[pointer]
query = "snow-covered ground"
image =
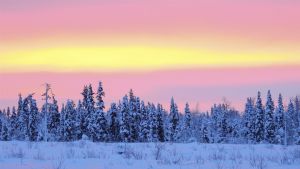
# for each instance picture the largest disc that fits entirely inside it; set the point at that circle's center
(88, 155)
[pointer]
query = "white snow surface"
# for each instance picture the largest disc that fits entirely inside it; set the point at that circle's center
(88, 155)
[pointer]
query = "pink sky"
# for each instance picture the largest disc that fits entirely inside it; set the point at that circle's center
(248, 28)
(205, 86)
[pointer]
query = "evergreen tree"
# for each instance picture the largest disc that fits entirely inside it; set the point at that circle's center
(80, 119)
(259, 123)
(174, 122)
(62, 126)
(14, 124)
(98, 123)
(22, 118)
(32, 119)
(297, 112)
(124, 124)
(144, 124)
(4, 134)
(153, 124)
(85, 103)
(90, 107)
(114, 126)
(290, 124)
(270, 131)
(133, 117)
(53, 120)
(220, 123)
(249, 121)
(279, 121)
(187, 133)
(160, 123)
(70, 133)
(204, 131)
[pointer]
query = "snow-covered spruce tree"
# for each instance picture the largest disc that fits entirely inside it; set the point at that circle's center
(174, 122)
(80, 117)
(33, 119)
(137, 118)
(98, 123)
(4, 134)
(144, 124)
(153, 125)
(90, 107)
(297, 117)
(270, 131)
(1, 122)
(70, 121)
(114, 126)
(5, 125)
(297, 112)
(234, 126)
(290, 124)
(204, 130)
(248, 130)
(14, 124)
(124, 121)
(62, 126)
(19, 135)
(24, 120)
(160, 123)
(84, 94)
(220, 113)
(259, 123)
(187, 126)
(279, 121)
(53, 120)
(133, 128)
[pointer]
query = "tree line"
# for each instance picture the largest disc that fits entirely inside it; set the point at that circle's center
(133, 120)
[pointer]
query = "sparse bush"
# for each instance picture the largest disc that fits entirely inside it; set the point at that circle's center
(159, 147)
(59, 163)
(257, 162)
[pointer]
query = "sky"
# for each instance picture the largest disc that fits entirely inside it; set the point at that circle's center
(198, 51)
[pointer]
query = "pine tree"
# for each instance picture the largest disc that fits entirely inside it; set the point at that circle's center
(290, 124)
(249, 121)
(33, 119)
(297, 112)
(90, 107)
(187, 133)
(133, 117)
(270, 131)
(4, 134)
(14, 124)
(160, 123)
(53, 120)
(174, 122)
(80, 117)
(220, 123)
(124, 124)
(62, 126)
(114, 126)
(144, 124)
(204, 132)
(259, 123)
(23, 118)
(153, 124)
(70, 133)
(85, 103)
(279, 121)
(97, 122)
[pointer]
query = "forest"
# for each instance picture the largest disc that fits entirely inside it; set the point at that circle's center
(133, 120)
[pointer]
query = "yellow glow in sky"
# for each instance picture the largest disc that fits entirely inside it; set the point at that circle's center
(134, 58)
